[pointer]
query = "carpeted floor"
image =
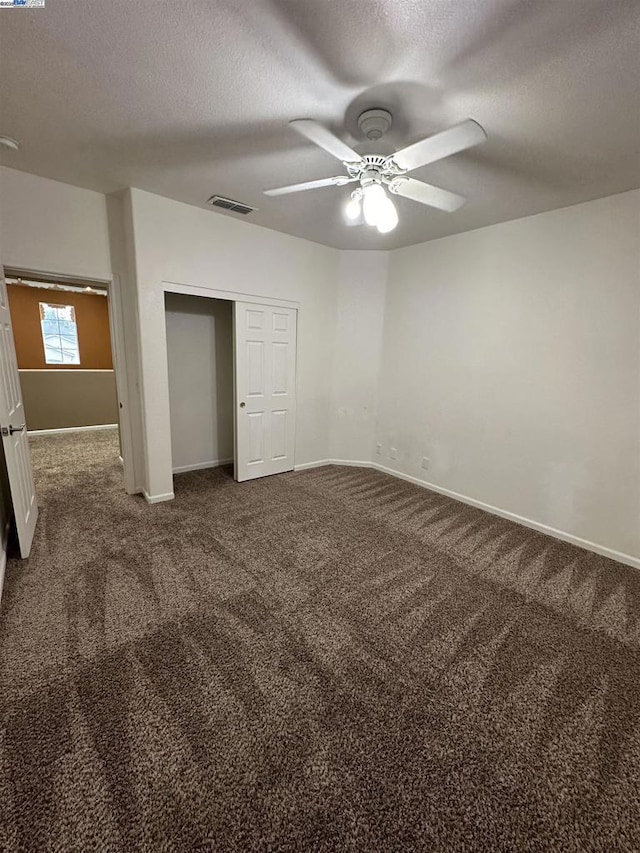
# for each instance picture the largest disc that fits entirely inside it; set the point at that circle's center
(326, 661)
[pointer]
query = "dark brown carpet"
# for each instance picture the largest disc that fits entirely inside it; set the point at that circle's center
(326, 661)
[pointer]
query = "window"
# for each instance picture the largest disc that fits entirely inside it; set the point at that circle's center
(59, 334)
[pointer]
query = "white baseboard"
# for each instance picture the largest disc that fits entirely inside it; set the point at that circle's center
(71, 429)
(627, 559)
(350, 463)
(4, 540)
(304, 466)
(200, 466)
(618, 556)
(156, 499)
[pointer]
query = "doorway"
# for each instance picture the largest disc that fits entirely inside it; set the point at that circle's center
(64, 353)
(231, 368)
(64, 359)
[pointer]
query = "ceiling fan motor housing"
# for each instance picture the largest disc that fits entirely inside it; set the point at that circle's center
(374, 169)
(371, 175)
(375, 123)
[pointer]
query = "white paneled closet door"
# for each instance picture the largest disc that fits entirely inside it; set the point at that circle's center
(14, 432)
(265, 389)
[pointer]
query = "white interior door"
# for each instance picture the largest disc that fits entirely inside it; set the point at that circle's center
(14, 432)
(265, 389)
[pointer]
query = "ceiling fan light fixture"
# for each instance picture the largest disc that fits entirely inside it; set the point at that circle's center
(352, 209)
(387, 217)
(374, 198)
(378, 209)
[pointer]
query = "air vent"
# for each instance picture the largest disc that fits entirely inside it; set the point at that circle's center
(230, 204)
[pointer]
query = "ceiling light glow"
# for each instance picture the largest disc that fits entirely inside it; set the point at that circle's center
(373, 202)
(378, 209)
(352, 208)
(387, 217)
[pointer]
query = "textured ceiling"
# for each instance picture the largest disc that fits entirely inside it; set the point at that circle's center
(186, 98)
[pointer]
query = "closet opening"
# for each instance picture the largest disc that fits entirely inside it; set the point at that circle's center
(200, 365)
(231, 373)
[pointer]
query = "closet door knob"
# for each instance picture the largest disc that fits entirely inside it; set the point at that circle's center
(242, 405)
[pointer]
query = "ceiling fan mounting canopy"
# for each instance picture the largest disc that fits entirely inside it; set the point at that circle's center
(375, 123)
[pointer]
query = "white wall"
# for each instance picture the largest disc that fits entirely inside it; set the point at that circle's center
(179, 243)
(512, 360)
(52, 227)
(200, 363)
(362, 278)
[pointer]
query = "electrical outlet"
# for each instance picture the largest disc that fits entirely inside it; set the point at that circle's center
(393, 453)
(426, 462)
(378, 450)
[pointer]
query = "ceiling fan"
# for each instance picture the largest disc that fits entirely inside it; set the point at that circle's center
(374, 172)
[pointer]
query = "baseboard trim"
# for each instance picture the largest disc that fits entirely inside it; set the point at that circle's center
(71, 429)
(156, 499)
(200, 466)
(305, 466)
(349, 463)
(618, 556)
(602, 550)
(4, 541)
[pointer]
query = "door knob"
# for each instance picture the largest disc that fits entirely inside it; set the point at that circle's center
(242, 404)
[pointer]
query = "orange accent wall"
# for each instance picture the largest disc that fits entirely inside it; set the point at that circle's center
(92, 319)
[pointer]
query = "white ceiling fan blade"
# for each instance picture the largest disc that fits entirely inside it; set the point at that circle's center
(427, 194)
(338, 181)
(325, 139)
(464, 135)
